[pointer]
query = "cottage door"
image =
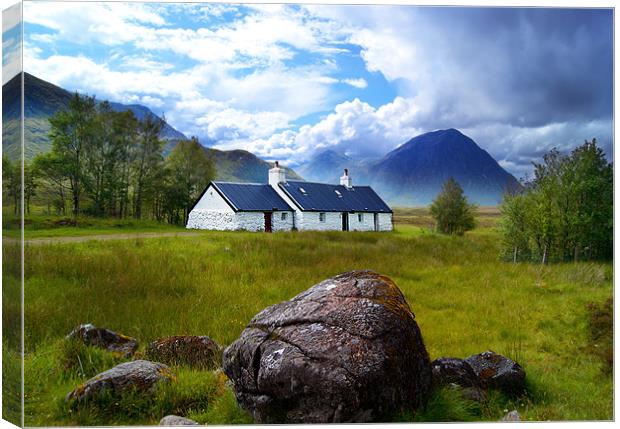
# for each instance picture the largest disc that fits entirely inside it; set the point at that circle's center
(376, 221)
(345, 221)
(268, 221)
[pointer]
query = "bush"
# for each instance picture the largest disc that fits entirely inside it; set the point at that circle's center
(451, 211)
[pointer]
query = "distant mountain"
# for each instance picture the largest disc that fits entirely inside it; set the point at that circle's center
(326, 166)
(413, 173)
(42, 100)
(243, 166)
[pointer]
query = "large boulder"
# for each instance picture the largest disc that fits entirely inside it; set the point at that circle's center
(140, 375)
(195, 351)
(346, 350)
(106, 339)
(498, 372)
(173, 420)
(449, 371)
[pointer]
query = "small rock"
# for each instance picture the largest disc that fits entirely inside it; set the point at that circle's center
(498, 372)
(173, 420)
(104, 338)
(448, 371)
(346, 350)
(139, 374)
(512, 416)
(195, 351)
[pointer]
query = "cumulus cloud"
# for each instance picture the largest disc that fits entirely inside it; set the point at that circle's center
(518, 81)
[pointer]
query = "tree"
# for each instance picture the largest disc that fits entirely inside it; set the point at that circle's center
(567, 207)
(54, 179)
(72, 134)
(452, 211)
(12, 181)
(191, 171)
(515, 225)
(148, 163)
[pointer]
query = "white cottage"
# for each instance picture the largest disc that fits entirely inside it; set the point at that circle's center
(285, 205)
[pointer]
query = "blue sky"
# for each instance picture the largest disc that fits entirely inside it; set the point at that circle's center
(288, 81)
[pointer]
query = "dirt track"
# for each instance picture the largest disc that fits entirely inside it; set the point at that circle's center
(122, 236)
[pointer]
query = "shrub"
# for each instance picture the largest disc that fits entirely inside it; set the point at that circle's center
(451, 211)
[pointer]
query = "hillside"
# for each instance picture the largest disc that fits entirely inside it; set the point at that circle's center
(42, 100)
(243, 166)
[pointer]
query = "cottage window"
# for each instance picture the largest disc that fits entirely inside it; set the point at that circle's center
(360, 217)
(284, 215)
(321, 217)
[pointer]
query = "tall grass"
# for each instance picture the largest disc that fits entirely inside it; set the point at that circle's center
(465, 300)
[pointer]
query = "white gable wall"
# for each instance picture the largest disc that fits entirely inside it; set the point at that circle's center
(212, 200)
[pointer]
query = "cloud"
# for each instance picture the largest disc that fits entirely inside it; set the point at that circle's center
(518, 81)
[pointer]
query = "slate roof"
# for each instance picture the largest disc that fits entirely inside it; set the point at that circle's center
(323, 197)
(250, 196)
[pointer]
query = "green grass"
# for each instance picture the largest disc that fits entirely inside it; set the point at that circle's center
(465, 300)
(43, 226)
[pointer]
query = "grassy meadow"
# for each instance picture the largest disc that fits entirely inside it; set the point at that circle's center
(466, 300)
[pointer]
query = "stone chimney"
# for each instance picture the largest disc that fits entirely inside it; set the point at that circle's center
(277, 175)
(345, 180)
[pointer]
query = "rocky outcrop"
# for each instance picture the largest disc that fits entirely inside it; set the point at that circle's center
(498, 372)
(448, 371)
(140, 375)
(173, 420)
(104, 338)
(346, 350)
(512, 416)
(195, 351)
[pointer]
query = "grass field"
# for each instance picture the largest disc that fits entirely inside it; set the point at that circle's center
(465, 300)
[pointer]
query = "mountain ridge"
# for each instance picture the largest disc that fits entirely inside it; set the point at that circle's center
(43, 99)
(414, 172)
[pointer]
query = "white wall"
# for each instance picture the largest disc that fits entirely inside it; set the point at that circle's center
(231, 221)
(212, 200)
(367, 223)
(385, 222)
(277, 224)
(310, 221)
(212, 219)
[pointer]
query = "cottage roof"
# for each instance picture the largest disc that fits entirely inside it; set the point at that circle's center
(251, 196)
(324, 197)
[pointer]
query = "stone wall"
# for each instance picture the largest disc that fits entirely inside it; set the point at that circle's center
(310, 221)
(385, 222)
(248, 221)
(212, 219)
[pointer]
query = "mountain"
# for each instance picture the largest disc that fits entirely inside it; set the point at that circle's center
(413, 173)
(327, 166)
(42, 100)
(243, 166)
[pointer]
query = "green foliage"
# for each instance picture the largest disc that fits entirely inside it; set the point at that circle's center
(451, 211)
(79, 360)
(190, 170)
(447, 405)
(565, 212)
(465, 301)
(11, 384)
(11, 181)
(106, 163)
